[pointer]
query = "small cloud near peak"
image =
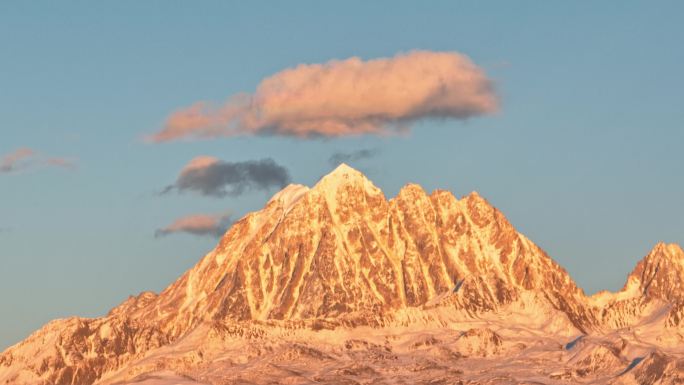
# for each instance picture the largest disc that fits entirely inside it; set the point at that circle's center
(199, 224)
(211, 176)
(352, 156)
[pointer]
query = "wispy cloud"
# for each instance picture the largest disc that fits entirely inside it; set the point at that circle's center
(16, 160)
(211, 176)
(344, 97)
(61, 162)
(346, 157)
(201, 225)
(25, 158)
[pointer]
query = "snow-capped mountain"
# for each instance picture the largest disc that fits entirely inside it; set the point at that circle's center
(337, 284)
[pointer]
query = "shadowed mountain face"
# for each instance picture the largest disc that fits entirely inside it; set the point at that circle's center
(340, 257)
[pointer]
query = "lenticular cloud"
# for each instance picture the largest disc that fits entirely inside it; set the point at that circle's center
(343, 98)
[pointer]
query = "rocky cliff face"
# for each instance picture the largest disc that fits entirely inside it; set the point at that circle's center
(661, 273)
(340, 255)
(341, 250)
(654, 286)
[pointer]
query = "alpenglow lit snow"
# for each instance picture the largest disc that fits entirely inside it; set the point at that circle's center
(337, 284)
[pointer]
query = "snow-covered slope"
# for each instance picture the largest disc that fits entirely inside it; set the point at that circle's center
(337, 284)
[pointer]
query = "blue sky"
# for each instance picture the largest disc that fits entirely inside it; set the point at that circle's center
(584, 155)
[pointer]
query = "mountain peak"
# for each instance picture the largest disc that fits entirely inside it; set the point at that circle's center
(344, 171)
(662, 252)
(340, 255)
(344, 175)
(344, 168)
(671, 250)
(475, 196)
(411, 189)
(660, 272)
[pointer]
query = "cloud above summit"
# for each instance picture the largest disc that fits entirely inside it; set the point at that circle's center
(346, 157)
(344, 98)
(211, 176)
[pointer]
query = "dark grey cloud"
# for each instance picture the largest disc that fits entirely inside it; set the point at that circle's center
(200, 225)
(210, 176)
(346, 157)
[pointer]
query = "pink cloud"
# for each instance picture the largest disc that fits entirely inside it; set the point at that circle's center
(61, 162)
(16, 160)
(201, 224)
(344, 97)
(25, 158)
(199, 163)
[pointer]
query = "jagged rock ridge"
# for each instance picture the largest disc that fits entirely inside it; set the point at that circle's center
(340, 255)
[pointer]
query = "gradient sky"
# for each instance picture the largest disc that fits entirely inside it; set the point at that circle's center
(584, 156)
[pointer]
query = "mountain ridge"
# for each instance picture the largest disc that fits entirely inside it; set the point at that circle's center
(340, 255)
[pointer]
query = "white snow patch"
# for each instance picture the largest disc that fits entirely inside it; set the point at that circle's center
(290, 195)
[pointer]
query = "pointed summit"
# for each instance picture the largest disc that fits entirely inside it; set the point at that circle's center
(660, 272)
(342, 176)
(344, 168)
(344, 171)
(665, 253)
(671, 250)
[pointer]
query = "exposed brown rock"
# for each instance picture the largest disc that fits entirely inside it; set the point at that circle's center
(342, 255)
